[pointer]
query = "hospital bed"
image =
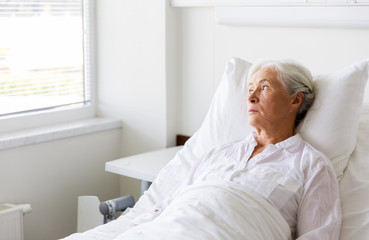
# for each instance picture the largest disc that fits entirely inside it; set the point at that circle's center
(337, 124)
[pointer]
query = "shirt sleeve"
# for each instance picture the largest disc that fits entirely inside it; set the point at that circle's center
(319, 215)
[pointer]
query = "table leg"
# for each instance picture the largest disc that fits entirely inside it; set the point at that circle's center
(144, 186)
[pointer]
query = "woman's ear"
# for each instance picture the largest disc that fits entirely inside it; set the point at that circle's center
(297, 100)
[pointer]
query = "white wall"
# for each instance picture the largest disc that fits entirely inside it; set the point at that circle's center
(197, 66)
(50, 176)
(131, 61)
(135, 83)
(206, 47)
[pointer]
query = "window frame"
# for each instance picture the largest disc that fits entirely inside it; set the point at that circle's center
(36, 119)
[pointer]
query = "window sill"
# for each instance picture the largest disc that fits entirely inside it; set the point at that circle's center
(55, 132)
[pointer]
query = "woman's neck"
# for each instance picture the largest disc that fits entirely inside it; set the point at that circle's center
(264, 140)
(265, 137)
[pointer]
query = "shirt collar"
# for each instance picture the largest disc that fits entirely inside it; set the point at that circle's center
(291, 141)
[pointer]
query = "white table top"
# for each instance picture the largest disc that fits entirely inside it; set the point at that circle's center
(144, 166)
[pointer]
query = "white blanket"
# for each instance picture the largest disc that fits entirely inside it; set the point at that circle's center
(216, 211)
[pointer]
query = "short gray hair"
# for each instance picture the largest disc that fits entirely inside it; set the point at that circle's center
(294, 77)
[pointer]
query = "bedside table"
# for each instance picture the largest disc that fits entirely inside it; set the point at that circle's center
(144, 166)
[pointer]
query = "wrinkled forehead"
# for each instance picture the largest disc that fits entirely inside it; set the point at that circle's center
(264, 74)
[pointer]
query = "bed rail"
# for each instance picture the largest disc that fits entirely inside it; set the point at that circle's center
(110, 207)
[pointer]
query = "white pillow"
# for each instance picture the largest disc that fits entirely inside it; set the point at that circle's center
(332, 122)
(226, 119)
(330, 125)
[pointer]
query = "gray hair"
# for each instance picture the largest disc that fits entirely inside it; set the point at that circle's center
(294, 77)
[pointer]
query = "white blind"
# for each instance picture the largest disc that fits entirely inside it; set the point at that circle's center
(42, 55)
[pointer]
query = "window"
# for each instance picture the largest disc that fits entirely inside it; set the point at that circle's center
(44, 56)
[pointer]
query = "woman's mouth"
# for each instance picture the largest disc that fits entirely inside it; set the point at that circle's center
(253, 111)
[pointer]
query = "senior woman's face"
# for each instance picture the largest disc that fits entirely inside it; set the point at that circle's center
(268, 104)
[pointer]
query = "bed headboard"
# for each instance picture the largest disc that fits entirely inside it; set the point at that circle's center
(181, 139)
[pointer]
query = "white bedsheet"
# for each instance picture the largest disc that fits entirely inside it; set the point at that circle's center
(353, 187)
(210, 210)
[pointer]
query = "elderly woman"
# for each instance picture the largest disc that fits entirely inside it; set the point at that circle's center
(274, 161)
(272, 172)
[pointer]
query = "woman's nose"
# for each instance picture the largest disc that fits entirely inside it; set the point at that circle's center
(253, 97)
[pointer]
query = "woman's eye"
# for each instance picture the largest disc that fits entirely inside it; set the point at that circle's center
(265, 87)
(251, 90)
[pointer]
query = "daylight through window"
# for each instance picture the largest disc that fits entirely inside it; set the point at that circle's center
(42, 55)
